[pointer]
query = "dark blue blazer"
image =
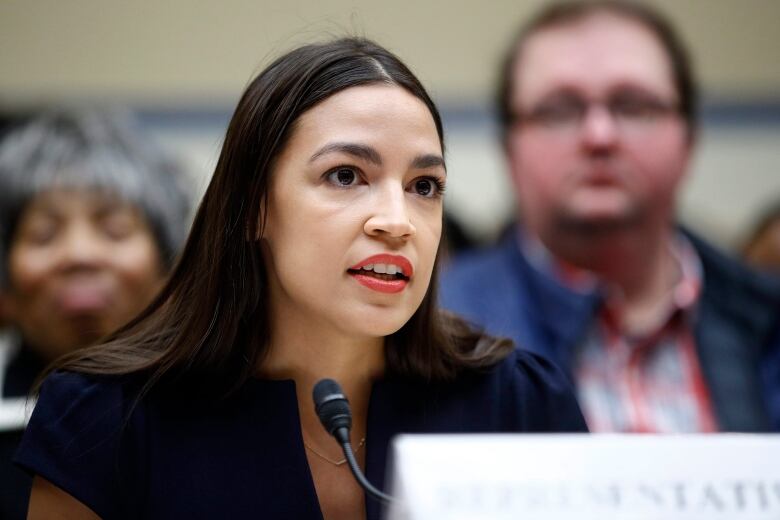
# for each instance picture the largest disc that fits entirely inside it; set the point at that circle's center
(737, 323)
(243, 457)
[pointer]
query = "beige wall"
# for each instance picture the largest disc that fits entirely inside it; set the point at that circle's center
(200, 54)
(184, 50)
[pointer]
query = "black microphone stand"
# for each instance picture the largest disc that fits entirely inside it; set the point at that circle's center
(332, 408)
(342, 435)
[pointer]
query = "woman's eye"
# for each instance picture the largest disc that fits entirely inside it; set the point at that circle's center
(423, 187)
(117, 228)
(343, 177)
(428, 187)
(42, 236)
(40, 233)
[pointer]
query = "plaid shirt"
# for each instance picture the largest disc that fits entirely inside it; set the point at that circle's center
(651, 383)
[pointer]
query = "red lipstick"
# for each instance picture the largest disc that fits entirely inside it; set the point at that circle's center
(381, 282)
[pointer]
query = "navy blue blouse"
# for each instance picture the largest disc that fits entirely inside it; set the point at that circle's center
(244, 457)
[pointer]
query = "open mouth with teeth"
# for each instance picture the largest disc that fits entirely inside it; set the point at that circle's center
(387, 272)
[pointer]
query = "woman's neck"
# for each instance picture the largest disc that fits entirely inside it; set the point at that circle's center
(305, 356)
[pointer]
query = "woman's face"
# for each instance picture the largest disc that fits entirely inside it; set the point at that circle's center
(355, 212)
(81, 264)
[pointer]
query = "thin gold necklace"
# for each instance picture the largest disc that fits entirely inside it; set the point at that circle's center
(327, 459)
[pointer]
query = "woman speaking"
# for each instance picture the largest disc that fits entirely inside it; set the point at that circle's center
(312, 255)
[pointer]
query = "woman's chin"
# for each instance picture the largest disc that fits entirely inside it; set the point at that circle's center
(376, 328)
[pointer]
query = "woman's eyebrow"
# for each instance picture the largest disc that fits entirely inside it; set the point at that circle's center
(422, 162)
(369, 154)
(360, 151)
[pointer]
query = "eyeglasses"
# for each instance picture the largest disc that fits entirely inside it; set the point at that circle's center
(565, 113)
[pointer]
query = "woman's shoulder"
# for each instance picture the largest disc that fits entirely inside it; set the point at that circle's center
(80, 383)
(529, 368)
(520, 392)
(534, 393)
(66, 393)
(82, 430)
(81, 410)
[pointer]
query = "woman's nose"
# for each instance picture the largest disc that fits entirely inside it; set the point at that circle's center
(82, 247)
(389, 217)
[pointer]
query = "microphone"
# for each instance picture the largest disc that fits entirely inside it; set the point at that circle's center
(332, 408)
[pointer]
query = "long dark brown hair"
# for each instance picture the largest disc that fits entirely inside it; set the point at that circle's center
(208, 329)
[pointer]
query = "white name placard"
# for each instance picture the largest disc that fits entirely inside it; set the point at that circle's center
(586, 477)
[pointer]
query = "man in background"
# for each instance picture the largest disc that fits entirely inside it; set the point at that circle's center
(658, 331)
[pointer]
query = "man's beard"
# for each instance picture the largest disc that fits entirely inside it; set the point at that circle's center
(591, 243)
(566, 223)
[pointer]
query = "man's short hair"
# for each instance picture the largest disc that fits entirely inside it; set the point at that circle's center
(566, 12)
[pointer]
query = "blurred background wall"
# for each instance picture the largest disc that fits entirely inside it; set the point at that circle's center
(182, 65)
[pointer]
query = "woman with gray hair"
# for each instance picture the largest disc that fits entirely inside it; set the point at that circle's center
(92, 216)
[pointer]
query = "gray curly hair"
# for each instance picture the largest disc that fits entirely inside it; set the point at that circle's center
(96, 150)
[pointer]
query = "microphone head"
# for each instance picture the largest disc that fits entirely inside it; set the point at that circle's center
(331, 406)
